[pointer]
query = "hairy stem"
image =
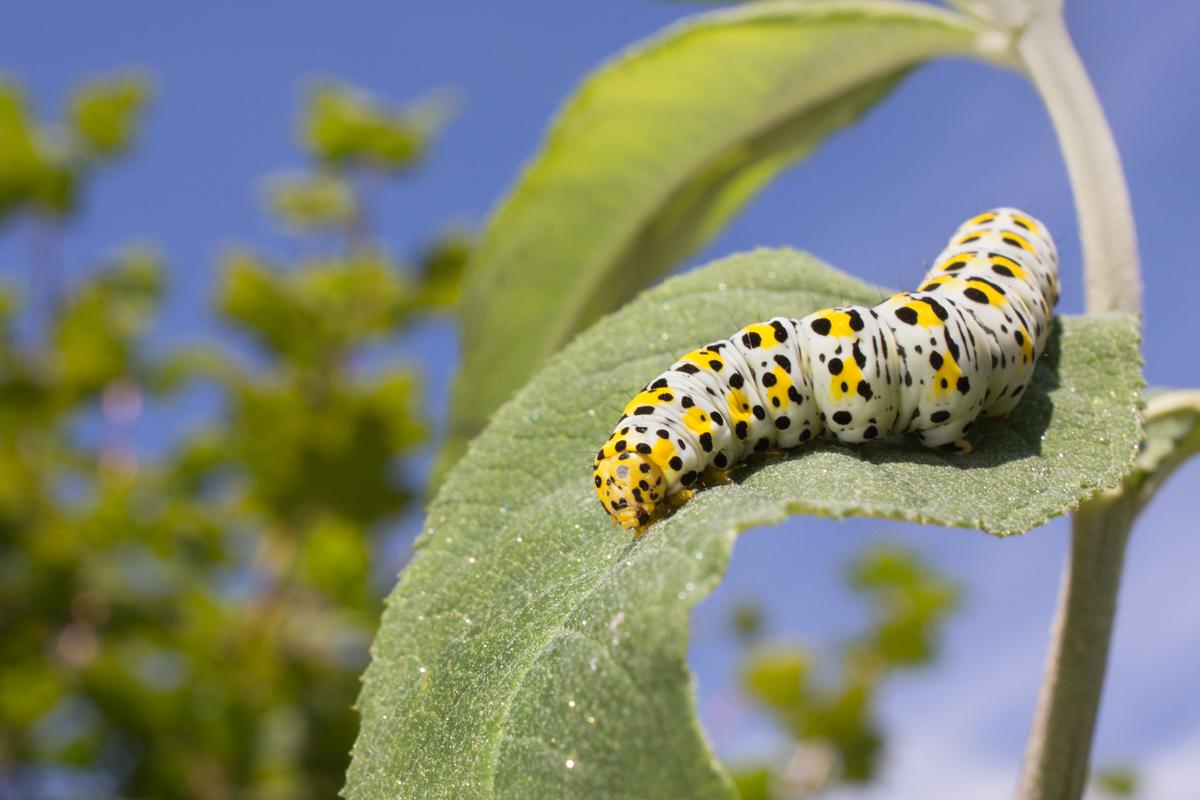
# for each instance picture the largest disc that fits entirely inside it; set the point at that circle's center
(1058, 753)
(1111, 277)
(1056, 759)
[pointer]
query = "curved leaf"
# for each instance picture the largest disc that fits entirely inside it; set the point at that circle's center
(1172, 421)
(532, 650)
(654, 153)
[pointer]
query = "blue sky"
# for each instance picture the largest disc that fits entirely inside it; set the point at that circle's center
(877, 201)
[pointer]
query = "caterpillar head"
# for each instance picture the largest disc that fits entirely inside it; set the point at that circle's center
(630, 487)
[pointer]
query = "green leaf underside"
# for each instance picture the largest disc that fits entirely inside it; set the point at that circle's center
(523, 598)
(654, 153)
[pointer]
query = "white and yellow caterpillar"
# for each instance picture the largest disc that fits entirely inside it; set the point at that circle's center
(926, 362)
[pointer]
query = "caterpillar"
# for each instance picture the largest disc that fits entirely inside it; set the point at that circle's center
(927, 362)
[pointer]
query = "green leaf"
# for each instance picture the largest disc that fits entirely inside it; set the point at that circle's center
(105, 115)
(56, 190)
(1172, 420)
(343, 124)
(335, 558)
(754, 784)
(19, 162)
(654, 153)
(312, 314)
(1116, 781)
(321, 201)
(335, 452)
(777, 676)
(527, 632)
(911, 600)
(104, 317)
(442, 265)
(33, 168)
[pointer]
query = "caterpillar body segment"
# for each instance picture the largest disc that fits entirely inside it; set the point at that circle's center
(945, 363)
(772, 387)
(928, 362)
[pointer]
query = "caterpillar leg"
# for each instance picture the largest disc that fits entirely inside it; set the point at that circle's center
(662, 511)
(710, 477)
(715, 477)
(764, 455)
(679, 498)
(960, 447)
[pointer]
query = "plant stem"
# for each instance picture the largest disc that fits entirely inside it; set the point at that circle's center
(1057, 755)
(1110, 260)
(1056, 759)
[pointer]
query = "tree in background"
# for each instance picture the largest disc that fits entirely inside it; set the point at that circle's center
(194, 625)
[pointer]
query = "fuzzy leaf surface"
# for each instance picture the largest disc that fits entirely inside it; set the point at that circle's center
(531, 650)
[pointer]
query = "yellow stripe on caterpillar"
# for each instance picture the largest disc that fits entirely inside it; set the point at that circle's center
(927, 362)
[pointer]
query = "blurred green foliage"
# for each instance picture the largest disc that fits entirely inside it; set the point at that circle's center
(1116, 781)
(40, 166)
(194, 625)
(105, 115)
(828, 709)
(342, 126)
(320, 201)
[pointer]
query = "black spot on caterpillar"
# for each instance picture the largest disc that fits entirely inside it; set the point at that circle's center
(966, 345)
